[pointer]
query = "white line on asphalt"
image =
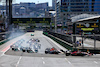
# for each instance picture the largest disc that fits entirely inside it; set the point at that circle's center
(69, 62)
(2, 54)
(42, 58)
(95, 62)
(18, 61)
(43, 62)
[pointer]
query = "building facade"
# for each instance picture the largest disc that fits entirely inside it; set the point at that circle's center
(69, 8)
(26, 9)
(53, 4)
(51, 14)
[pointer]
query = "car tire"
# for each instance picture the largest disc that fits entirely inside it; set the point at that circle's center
(12, 48)
(46, 52)
(56, 53)
(27, 51)
(67, 54)
(23, 50)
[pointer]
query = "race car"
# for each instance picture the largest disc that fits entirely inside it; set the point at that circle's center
(29, 41)
(36, 50)
(33, 40)
(51, 51)
(78, 53)
(12, 46)
(68, 53)
(32, 34)
(24, 49)
(37, 40)
(15, 48)
(29, 50)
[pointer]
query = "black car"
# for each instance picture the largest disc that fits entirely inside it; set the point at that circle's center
(51, 51)
(27, 49)
(37, 40)
(47, 50)
(15, 48)
(24, 49)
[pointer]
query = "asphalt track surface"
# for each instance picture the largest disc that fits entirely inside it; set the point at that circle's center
(9, 58)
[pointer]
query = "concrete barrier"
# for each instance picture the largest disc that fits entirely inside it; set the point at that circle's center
(68, 46)
(61, 42)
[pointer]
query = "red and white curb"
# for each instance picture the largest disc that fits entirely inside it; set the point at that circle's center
(6, 49)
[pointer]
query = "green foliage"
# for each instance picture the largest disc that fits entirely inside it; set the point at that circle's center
(0, 16)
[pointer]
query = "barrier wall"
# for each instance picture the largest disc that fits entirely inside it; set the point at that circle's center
(64, 44)
(69, 46)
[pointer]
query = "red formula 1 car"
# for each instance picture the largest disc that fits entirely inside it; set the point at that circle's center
(51, 51)
(79, 53)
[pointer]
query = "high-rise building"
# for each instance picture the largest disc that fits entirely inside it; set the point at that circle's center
(68, 8)
(94, 6)
(53, 4)
(42, 6)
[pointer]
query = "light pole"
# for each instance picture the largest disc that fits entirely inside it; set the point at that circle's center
(6, 23)
(10, 11)
(55, 17)
(7, 8)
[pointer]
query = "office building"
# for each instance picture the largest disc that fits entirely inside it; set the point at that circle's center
(25, 9)
(53, 4)
(69, 8)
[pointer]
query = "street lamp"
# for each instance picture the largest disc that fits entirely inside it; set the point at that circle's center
(55, 17)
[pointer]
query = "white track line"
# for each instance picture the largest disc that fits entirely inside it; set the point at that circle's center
(69, 62)
(95, 62)
(43, 62)
(4, 52)
(18, 62)
(42, 58)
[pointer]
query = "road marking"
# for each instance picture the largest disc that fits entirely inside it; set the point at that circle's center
(7, 48)
(95, 62)
(43, 62)
(2, 54)
(42, 58)
(4, 50)
(18, 61)
(69, 62)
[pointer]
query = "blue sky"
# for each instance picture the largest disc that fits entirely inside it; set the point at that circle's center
(35, 1)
